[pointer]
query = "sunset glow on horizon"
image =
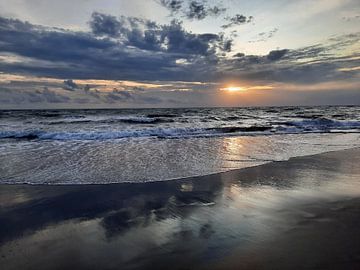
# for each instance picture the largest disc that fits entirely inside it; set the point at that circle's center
(234, 89)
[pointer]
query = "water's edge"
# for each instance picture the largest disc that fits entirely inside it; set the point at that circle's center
(180, 179)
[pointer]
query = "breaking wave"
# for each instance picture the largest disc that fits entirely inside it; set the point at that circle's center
(108, 135)
(324, 124)
(304, 126)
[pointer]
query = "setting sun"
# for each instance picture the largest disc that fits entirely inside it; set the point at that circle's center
(234, 89)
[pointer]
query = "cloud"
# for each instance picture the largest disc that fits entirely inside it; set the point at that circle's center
(264, 36)
(239, 55)
(122, 93)
(311, 64)
(276, 54)
(192, 10)
(196, 11)
(122, 96)
(236, 20)
(351, 18)
(70, 85)
(141, 50)
(148, 35)
(38, 96)
(84, 55)
(216, 11)
(87, 88)
(172, 5)
(111, 98)
(102, 24)
(53, 97)
(135, 49)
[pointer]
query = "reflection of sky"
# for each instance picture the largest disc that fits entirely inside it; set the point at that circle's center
(103, 225)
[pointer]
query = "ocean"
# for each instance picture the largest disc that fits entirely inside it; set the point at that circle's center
(139, 145)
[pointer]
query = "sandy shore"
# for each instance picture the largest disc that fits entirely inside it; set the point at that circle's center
(299, 214)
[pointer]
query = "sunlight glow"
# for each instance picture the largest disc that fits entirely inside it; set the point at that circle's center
(234, 89)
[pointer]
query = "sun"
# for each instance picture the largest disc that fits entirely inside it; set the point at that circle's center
(233, 89)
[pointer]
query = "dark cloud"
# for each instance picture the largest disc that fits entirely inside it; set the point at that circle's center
(313, 51)
(102, 24)
(216, 11)
(87, 88)
(227, 45)
(122, 93)
(63, 54)
(38, 96)
(173, 5)
(138, 49)
(132, 49)
(192, 10)
(122, 96)
(94, 93)
(196, 11)
(239, 55)
(238, 19)
(148, 35)
(111, 98)
(312, 64)
(70, 85)
(276, 54)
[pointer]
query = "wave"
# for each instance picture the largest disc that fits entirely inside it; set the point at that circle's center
(320, 125)
(156, 115)
(323, 124)
(241, 129)
(107, 135)
(127, 120)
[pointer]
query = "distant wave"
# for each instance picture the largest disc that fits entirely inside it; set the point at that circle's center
(323, 124)
(112, 120)
(304, 126)
(156, 115)
(151, 132)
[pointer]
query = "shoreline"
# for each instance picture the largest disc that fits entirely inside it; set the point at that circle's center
(216, 174)
(270, 216)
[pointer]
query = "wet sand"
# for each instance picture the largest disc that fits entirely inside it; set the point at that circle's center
(298, 214)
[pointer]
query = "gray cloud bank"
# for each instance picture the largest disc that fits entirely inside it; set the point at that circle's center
(136, 49)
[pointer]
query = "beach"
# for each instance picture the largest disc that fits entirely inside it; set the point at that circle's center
(302, 213)
(179, 135)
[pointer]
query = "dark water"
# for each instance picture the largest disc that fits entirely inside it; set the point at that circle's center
(111, 146)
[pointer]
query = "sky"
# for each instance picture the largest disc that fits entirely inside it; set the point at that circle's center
(178, 53)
